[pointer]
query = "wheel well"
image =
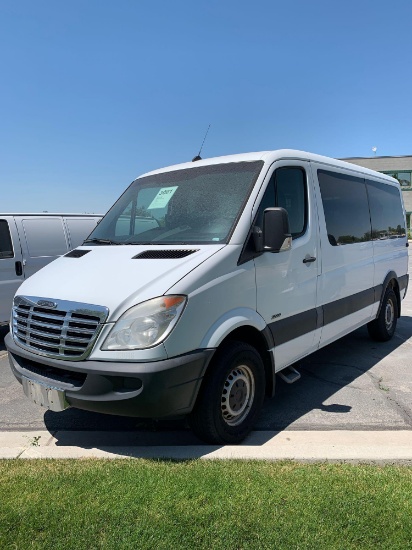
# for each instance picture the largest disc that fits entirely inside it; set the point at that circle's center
(394, 285)
(255, 338)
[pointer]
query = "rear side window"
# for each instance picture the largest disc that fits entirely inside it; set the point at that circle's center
(6, 246)
(345, 204)
(45, 237)
(386, 211)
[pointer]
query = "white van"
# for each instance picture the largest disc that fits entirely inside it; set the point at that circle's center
(253, 262)
(30, 241)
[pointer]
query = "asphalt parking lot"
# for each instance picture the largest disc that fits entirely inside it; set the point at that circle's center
(352, 384)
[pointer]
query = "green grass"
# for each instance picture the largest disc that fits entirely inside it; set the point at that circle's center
(89, 504)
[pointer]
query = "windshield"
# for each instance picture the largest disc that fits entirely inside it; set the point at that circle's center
(196, 205)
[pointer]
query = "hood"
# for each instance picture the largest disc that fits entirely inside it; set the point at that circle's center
(116, 277)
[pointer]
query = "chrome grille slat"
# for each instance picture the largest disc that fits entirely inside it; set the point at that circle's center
(43, 315)
(51, 342)
(38, 323)
(56, 328)
(66, 331)
(85, 331)
(56, 337)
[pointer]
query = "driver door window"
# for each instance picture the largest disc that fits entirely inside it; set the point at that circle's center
(287, 189)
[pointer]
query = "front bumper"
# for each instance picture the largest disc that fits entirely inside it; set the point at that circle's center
(146, 390)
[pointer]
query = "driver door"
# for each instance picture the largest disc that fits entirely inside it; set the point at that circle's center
(287, 281)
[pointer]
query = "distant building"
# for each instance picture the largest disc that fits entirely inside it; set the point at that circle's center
(397, 167)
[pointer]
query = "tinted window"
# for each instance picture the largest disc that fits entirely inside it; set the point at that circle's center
(386, 211)
(287, 189)
(6, 246)
(291, 195)
(45, 237)
(345, 204)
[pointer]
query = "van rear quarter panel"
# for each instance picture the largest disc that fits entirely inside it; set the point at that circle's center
(390, 255)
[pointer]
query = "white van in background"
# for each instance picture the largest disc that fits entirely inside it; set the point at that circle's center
(244, 265)
(30, 241)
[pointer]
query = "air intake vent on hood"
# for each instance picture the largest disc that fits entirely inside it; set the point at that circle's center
(76, 253)
(163, 254)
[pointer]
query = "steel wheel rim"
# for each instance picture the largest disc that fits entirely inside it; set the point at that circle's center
(238, 394)
(389, 315)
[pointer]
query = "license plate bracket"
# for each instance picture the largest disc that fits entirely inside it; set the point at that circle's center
(46, 396)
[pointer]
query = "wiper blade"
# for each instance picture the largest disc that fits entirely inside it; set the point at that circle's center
(101, 241)
(157, 243)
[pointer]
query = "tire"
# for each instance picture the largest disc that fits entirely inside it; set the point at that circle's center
(231, 395)
(383, 327)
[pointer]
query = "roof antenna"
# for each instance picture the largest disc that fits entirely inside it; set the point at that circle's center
(198, 157)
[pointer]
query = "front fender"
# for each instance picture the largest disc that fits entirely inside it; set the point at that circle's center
(230, 321)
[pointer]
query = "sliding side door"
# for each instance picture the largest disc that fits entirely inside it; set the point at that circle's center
(345, 291)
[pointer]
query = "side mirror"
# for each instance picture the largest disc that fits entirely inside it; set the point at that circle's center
(276, 236)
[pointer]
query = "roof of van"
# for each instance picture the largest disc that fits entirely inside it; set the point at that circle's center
(271, 156)
(48, 214)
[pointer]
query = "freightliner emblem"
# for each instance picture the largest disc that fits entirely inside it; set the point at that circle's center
(46, 303)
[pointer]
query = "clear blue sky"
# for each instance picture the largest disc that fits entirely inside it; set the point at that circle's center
(95, 92)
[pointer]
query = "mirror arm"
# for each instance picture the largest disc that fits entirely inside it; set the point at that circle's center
(257, 238)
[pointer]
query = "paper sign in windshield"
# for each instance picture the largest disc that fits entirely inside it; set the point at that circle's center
(163, 197)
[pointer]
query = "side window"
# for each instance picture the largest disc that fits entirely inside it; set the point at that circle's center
(345, 204)
(287, 188)
(6, 246)
(386, 211)
(291, 195)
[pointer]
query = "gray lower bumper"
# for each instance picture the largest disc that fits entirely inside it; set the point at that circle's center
(146, 390)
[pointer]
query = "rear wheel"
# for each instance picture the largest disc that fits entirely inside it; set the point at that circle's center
(383, 327)
(231, 395)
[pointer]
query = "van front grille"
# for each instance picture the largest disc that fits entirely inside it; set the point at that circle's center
(66, 330)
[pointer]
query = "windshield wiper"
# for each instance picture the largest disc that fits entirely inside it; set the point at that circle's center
(163, 243)
(100, 241)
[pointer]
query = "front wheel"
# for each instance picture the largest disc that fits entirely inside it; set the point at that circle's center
(383, 327)
(231, 395)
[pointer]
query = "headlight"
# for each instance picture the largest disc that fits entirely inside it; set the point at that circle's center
(146, 324)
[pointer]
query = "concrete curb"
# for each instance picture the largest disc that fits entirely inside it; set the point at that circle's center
(376, 447)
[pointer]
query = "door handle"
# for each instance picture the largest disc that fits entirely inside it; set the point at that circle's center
(19, 269)
(309, 259)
